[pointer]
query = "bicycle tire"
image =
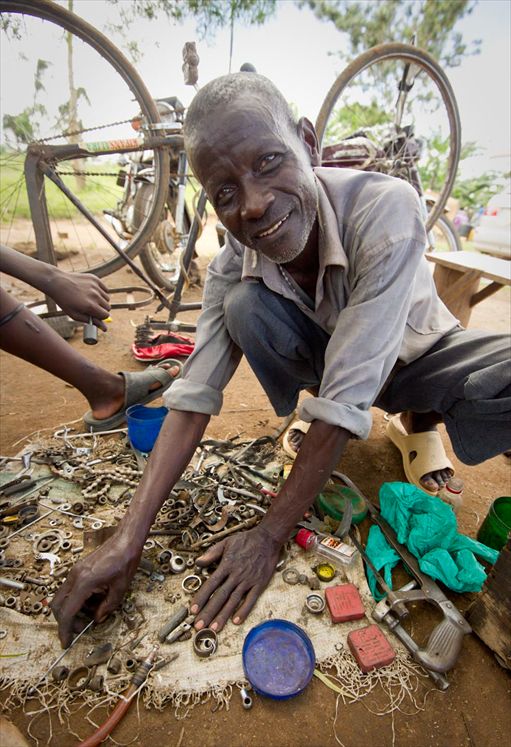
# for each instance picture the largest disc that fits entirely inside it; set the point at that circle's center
(408, 54)
(152, 257)
(46, 10)
(446, 234)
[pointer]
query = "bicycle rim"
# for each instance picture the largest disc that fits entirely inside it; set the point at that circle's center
(444, 237)
(110, 96)
(161, 256)
(364, 96)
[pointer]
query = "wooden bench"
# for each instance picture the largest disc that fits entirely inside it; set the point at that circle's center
(457, 278)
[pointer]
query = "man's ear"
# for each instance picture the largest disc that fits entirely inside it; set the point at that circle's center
(307, 135)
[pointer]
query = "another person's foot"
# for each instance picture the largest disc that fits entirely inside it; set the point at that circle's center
(416, 432)
(109, 403)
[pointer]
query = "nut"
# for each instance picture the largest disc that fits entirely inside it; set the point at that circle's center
(315, 603)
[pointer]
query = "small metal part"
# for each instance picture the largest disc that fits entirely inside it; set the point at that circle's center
(177, 564)
(130, 663)
(184, 627)
(315, 603)
(192, 583)
(164, 557)
(96, 683)
(3, 634)
(78, 678)
(59, 673)
(114, 666)
(9, 583)
(176, 619)
(325, 572)
(291, 576)
(90, 333)
(205, 642)
(246, 700)
(51, 558)
(10, 601)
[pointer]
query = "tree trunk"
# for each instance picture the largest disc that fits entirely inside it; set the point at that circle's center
(73, 124)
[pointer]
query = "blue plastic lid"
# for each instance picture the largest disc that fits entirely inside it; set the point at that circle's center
(278, 659)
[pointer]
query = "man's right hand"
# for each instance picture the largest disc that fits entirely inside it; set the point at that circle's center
(95, 586)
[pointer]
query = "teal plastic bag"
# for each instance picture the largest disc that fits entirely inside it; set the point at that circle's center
(428, 527)
(383, 557)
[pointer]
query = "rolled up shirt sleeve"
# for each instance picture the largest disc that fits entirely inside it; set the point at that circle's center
(368, 335)
(215, 356)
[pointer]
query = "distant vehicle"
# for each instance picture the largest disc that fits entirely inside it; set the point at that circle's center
(493, 234)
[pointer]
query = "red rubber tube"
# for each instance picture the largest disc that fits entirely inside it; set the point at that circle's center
(107, 728)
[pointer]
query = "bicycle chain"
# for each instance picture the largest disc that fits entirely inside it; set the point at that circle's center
(87, 173)
(85, 129)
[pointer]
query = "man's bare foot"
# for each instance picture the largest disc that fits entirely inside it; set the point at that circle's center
(113, 398)
(419, 423)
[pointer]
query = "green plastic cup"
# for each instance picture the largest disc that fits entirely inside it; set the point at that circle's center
(494, 530)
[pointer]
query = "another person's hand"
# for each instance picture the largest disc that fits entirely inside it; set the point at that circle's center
(95, 586)
(81, 296)
(247, 561)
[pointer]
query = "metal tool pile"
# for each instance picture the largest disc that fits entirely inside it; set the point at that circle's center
(227, 488)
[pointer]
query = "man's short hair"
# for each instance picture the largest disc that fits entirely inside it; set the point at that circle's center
(222, 91)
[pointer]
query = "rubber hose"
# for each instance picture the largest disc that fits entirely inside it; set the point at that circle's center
(107, 728)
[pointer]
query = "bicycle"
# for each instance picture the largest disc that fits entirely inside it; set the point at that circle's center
(372, 136)
(82, 179)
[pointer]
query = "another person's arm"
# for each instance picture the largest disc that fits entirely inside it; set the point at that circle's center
(81, 296)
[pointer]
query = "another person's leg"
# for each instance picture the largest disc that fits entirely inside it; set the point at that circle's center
(26, 336)
(464, 381)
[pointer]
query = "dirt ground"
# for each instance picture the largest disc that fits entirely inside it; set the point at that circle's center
(474, 712)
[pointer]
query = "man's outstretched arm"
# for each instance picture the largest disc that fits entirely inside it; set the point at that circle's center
(97, 584)
(247, 560)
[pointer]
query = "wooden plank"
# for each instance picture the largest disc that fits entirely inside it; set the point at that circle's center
(490, 614)
(492, 268)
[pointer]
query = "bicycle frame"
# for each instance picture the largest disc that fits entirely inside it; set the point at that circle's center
(40, 162)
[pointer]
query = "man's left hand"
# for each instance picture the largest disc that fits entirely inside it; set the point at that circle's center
(247, 561)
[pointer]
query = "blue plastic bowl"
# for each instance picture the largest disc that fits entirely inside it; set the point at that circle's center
(278, 659)
(144, 424)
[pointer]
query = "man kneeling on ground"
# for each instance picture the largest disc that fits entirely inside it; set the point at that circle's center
(323, 284)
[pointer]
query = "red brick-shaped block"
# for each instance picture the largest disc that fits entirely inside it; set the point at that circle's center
(370, 648)
(344, 603)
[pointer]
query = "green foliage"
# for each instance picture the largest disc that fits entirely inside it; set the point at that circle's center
(210, 15)
(96, 193)
(471, 193)
(347, 120)
(431, 22)
(474, 193)
(25, 125)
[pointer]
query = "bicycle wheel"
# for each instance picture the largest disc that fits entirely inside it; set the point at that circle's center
(362, 101)
(161, 255)
(108, 101)
(444, 237)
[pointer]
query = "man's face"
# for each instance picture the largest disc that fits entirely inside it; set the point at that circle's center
(257, 172)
